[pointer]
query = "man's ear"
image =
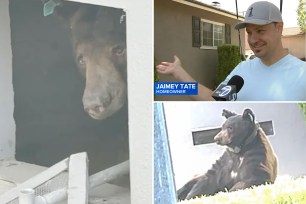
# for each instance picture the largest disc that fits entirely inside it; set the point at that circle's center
(279, 27)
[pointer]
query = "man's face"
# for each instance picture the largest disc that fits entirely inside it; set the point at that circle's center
(264, 40)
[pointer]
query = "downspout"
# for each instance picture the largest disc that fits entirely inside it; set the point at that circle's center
(281, 6)
(27, 196)
(238, 29)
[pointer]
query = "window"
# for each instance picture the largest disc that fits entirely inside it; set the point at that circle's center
(209, 34)
(212, 34)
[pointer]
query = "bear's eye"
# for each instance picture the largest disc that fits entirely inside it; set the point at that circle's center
(230, 128)
(81, 60)
(118, 50)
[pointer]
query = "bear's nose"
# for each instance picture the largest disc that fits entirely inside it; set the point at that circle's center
(217, 138)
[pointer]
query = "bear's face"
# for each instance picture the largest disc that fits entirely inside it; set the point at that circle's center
(98, 39)
(236, 129)
(100, 53)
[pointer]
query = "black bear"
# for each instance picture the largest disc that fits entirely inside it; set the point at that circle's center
(98, 38)
(249, 159)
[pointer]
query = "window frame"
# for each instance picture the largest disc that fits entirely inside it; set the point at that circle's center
(202, 37)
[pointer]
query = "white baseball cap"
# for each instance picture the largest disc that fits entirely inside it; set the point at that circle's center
(261, 13)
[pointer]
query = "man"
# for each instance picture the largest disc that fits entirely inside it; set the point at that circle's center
(274, 75)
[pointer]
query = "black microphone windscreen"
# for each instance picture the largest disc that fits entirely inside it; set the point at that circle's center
(237, 81)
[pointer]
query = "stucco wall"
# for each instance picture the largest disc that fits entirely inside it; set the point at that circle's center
(296, 45)
(188, 160)
(173, 36)
(7, 124)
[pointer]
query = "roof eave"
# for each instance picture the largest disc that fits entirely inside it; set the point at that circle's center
(206, 7)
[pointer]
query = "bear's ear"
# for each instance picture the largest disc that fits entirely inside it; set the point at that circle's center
(227, 113)
(110, 19)
(248, 115)
(65, 10)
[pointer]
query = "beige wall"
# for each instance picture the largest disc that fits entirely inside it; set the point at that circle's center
(173, 36)
(296, 45)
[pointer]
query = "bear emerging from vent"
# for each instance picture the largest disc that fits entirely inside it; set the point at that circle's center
(248, 160)
(98, 37)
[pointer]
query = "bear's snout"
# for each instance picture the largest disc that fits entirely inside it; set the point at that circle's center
(217, 139)
(222, 138)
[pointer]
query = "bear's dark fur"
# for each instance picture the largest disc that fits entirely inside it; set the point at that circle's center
(98, 39)
(249, 159)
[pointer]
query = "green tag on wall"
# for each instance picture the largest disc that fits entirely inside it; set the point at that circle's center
(49, 7)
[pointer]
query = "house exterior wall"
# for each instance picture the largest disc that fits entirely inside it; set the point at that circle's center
(296, 45)
(173, 36)
(7, 123)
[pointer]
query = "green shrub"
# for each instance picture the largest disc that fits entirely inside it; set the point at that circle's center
(228, 58)
(156, 78)
(303, 108)
(242, 57)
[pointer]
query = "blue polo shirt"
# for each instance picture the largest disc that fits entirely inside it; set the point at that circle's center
(285, 80)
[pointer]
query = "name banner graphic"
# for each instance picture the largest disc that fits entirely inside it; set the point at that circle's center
(176, 88)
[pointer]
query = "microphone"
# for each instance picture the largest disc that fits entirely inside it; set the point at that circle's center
(229, 92)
